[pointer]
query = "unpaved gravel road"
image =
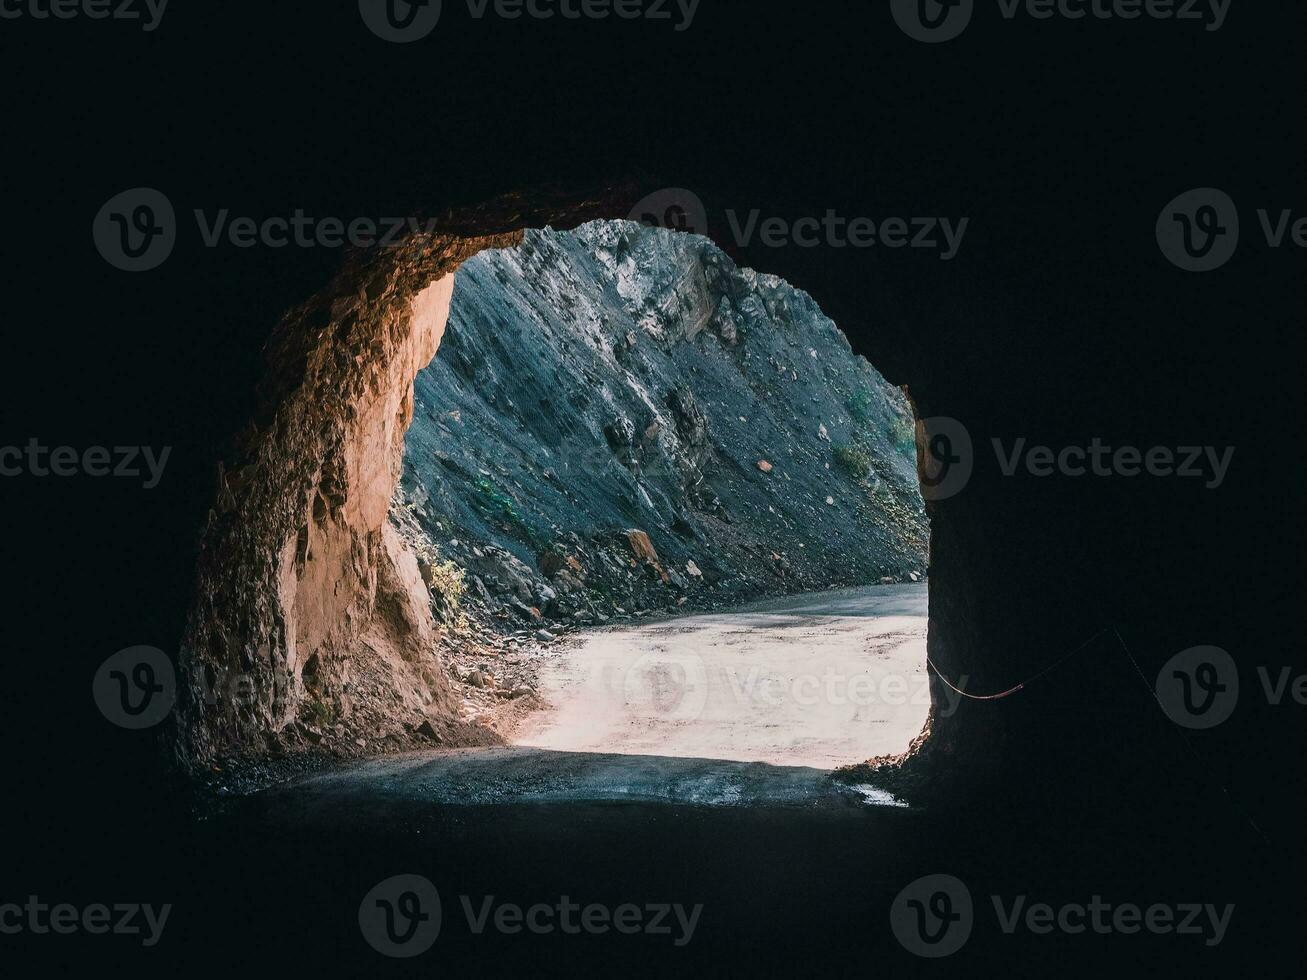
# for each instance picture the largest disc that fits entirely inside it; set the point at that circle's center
(750, 706)
(816, 681)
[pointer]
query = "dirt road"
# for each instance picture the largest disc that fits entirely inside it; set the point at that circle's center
(749, 706)
(814, 681)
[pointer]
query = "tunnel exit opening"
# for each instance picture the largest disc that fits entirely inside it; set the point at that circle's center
(594, 492)
(661, 508)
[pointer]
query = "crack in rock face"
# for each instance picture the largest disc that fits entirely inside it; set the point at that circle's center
(621, 420)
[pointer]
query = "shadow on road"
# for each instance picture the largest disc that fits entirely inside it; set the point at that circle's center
(516, 775)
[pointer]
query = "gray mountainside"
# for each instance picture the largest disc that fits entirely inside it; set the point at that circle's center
(619, 419)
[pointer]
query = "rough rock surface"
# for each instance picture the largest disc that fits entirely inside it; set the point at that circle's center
(620, 420)
(311, 624)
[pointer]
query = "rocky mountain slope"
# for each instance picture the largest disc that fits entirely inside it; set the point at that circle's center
(619, 420)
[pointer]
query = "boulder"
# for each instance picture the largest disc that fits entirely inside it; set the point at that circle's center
(645, 552)
(641, 545)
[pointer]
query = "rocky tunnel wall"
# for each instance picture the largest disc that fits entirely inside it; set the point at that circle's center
(301, 584)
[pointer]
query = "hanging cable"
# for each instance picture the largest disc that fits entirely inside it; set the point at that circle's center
(1029, 680)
